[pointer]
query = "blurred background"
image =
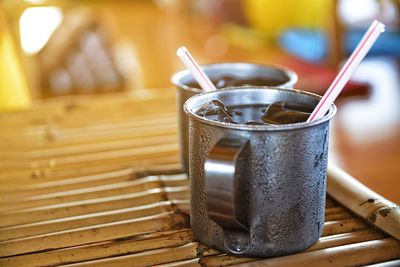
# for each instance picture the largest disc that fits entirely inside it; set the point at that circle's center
(51, 49)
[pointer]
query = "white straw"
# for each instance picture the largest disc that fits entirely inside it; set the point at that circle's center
(195, 69)
(347, 70)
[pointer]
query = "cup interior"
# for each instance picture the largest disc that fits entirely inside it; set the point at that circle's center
(276, 76)
(256, 96)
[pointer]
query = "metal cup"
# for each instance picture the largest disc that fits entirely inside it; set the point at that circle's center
(257, 190)
(240, 70)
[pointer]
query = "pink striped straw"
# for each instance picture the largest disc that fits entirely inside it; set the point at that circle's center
(195, 69)
(347, 70)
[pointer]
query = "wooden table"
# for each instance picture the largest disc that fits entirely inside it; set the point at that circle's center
(98, 183)
(366, 131)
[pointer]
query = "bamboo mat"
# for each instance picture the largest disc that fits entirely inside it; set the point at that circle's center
(97, 183)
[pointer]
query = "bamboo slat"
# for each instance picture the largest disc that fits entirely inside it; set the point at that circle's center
(323, 243)
(184, 263)
(364, 202)
(74, 222)
(148, 258)
(49, 143)
(92, 234)
(101, 250)
(130, 154)
(42, 187)
(87, 148)
(343, 226)
(55, 225)
(22, 178)
(348, 255)
(91, 206)
(340, 239)
(101, 124)
(121, 188)
(98, 183)
(45, 136)
(392, 263)
(81, 110)
(336, 213)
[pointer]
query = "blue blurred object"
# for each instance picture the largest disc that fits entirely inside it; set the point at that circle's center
(312, 45)
(388, 43)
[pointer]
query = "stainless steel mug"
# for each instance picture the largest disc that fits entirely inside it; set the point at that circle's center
(286, 78)
(257, 190)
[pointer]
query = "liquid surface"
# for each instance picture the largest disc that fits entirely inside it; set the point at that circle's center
(230, 81)
(261, 114)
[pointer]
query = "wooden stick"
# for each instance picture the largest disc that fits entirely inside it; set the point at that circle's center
(79, 195)
(114, 215)
(128, 159)
(61, 138)
(46, 154)
(91, 219)
(97, 181)
(51, 173)
(364, 202)
(330, 241)
(50, 136)
(185, 263)
(224, 260)
(330, 203)
(66, 123)
(357, 254)
(92, 234)
(81, 207)
(69, 223)
(92, 206)
(183, 205)
(25, 147)
(29, 189)
(38, 176)
(336, 213)
(130, 173)
(100, 123)
(347, 238)
(26, 177)
(159, 162)
(343, 226)
(97, 158)
(90, 111)
(148, 258)
(101, 250)
(120, 188)
(322, 243)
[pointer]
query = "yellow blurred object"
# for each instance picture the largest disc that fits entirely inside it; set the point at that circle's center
(14, 93)
(243, 37)
(272, 17)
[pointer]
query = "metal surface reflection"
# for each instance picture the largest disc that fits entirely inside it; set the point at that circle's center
(222, 176)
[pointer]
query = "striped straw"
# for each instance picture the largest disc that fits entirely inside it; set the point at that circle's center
(347, 70)
(195, 69)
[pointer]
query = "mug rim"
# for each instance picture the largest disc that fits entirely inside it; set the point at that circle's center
(272, 128)
(178, 76)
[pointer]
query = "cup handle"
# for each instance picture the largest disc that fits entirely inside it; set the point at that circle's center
(223, 172)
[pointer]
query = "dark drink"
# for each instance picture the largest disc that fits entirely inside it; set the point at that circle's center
(261, 114)
(231, 81)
